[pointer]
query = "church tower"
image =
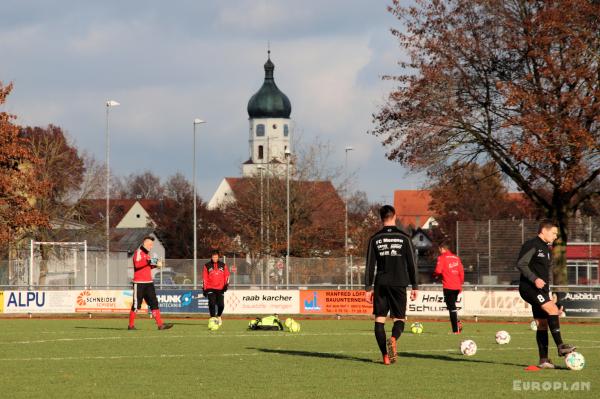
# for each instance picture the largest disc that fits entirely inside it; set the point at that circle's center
(270, 127)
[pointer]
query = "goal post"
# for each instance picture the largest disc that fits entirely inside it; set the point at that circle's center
(64, 259)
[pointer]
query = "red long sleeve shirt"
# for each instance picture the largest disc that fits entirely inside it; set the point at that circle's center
(451, 269)
(142, 270)
(215, 276)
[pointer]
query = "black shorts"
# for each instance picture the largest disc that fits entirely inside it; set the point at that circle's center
(392, 300)
(536, 298)
(450, 297)
(144, 292)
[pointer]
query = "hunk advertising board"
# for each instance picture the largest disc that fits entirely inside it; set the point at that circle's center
(262, 302)
(181, 301)
(39, 301)
(1, 301)
(580, 304)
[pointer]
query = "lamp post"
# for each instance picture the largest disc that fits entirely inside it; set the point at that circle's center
(196, 122)
(347, 149)
(109, 104)
(262, 265)
(288, 155)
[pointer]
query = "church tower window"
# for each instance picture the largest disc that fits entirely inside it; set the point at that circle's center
(260, 130)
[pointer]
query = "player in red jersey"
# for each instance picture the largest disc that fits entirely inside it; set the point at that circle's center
(215, 280)
(450, 268)
(143, 286)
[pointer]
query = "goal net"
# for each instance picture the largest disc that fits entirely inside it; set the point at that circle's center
(57, 264)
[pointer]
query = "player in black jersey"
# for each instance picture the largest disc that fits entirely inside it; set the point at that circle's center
(390, 268)
(535, 264)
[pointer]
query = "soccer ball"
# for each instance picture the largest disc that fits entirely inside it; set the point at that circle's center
(292, 325)
(213, 324)
(533, 325)
(468, 347)
(502, 337)
(416, 328)
(575, 361)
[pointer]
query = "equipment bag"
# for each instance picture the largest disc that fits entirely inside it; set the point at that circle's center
(266, 323)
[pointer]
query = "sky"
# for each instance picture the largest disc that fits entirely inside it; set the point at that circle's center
(170, 62)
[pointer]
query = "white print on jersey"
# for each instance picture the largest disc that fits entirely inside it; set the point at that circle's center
(389, 246)
(541, 254)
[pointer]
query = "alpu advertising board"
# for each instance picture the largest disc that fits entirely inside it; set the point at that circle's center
(39, 301)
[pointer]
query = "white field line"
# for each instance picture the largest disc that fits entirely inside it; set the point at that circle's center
(160, 335)
(273, 352)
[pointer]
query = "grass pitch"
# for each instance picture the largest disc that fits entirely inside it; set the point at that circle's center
(99, 358)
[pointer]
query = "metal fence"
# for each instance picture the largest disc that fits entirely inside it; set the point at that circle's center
(488, 249)
(266, 272)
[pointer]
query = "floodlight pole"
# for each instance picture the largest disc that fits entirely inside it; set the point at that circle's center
(109, 104)
(262, 267)
(347, 149)
(196, 122)
(287, 254)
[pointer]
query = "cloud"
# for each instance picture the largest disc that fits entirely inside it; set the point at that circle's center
(168, 63)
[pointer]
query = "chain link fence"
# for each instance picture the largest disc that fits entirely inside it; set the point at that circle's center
(488, 249)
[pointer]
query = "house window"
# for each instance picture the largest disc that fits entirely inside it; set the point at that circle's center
(260, 130)
(421, 237)
(260, 152)
(286, 130)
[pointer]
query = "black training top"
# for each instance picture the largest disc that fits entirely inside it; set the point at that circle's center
(392, 252)
(535, 261)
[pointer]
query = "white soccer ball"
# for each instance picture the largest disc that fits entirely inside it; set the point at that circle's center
(468, 347)
(575, 361)
(502, 337)
(533, 325)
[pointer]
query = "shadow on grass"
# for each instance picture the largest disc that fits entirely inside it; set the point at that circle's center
(103, 328)
(401, 355)
(322, 355)
(450, 358)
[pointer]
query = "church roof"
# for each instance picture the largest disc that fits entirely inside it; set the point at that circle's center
(269, 101)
